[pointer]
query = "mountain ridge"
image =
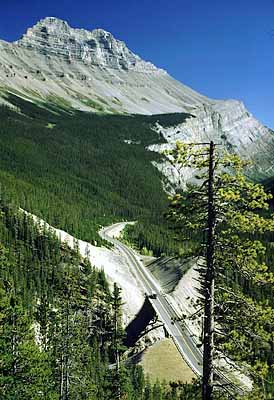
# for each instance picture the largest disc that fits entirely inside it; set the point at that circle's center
(92, 71)
(97, 47)
(80, 65)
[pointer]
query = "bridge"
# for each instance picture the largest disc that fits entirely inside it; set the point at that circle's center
(145, 321)
(157, 307)
(180, 334)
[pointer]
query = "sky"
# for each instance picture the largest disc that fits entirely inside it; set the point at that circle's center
(222, 49)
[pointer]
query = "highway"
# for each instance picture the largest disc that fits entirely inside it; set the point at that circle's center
(179, 332)
(180, 335)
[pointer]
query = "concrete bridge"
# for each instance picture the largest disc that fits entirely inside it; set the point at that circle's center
(156, 306)
(144, 322)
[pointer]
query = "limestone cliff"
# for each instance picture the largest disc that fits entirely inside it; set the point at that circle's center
(98, 47)
(93, 71)
(227, 123)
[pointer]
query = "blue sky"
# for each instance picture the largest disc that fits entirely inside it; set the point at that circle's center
(223, 49)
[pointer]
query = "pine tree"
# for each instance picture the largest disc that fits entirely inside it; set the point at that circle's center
(138, 381)
(148, 395)
(120, 379)
(157, 391)
(219, 214)
(24, 368)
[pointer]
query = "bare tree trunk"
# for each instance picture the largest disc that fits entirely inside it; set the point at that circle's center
(207, 384)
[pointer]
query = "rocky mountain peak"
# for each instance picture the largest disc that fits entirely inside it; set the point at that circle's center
(52, 24)
(93, 71)
(98, 47)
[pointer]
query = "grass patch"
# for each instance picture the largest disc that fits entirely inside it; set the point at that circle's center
(163, 362)
(50, 125)
(93, 104)
(59, 101)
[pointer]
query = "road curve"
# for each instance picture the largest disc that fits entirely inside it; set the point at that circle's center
(180, 333)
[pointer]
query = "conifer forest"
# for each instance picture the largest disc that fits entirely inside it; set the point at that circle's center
(61, 330)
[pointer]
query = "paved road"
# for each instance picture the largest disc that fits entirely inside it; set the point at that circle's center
(181, 335)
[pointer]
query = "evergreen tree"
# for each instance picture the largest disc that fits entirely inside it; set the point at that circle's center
(223, 206)
(138, 381)
(157, 391)
(148, 395)
(24, 370)
(84, 173)
(120, 377)
(56, 319)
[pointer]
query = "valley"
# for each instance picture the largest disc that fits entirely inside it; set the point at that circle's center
(84, 126)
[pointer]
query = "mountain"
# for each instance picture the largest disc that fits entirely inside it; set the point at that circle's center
(80, 170)
(92, 71)
(229, 124)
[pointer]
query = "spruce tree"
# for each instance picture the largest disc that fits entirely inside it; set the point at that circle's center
(223, 215)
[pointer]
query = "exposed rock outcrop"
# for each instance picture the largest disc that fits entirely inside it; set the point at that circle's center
(227, 123)
(98, 47)
(93, 71)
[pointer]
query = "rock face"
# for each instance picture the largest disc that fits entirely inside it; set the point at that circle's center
(93, 71)
(98, 47)
(227, 123)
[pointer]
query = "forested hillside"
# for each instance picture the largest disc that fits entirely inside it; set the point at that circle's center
(56, 324)
(58, 335)
(76, 170)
